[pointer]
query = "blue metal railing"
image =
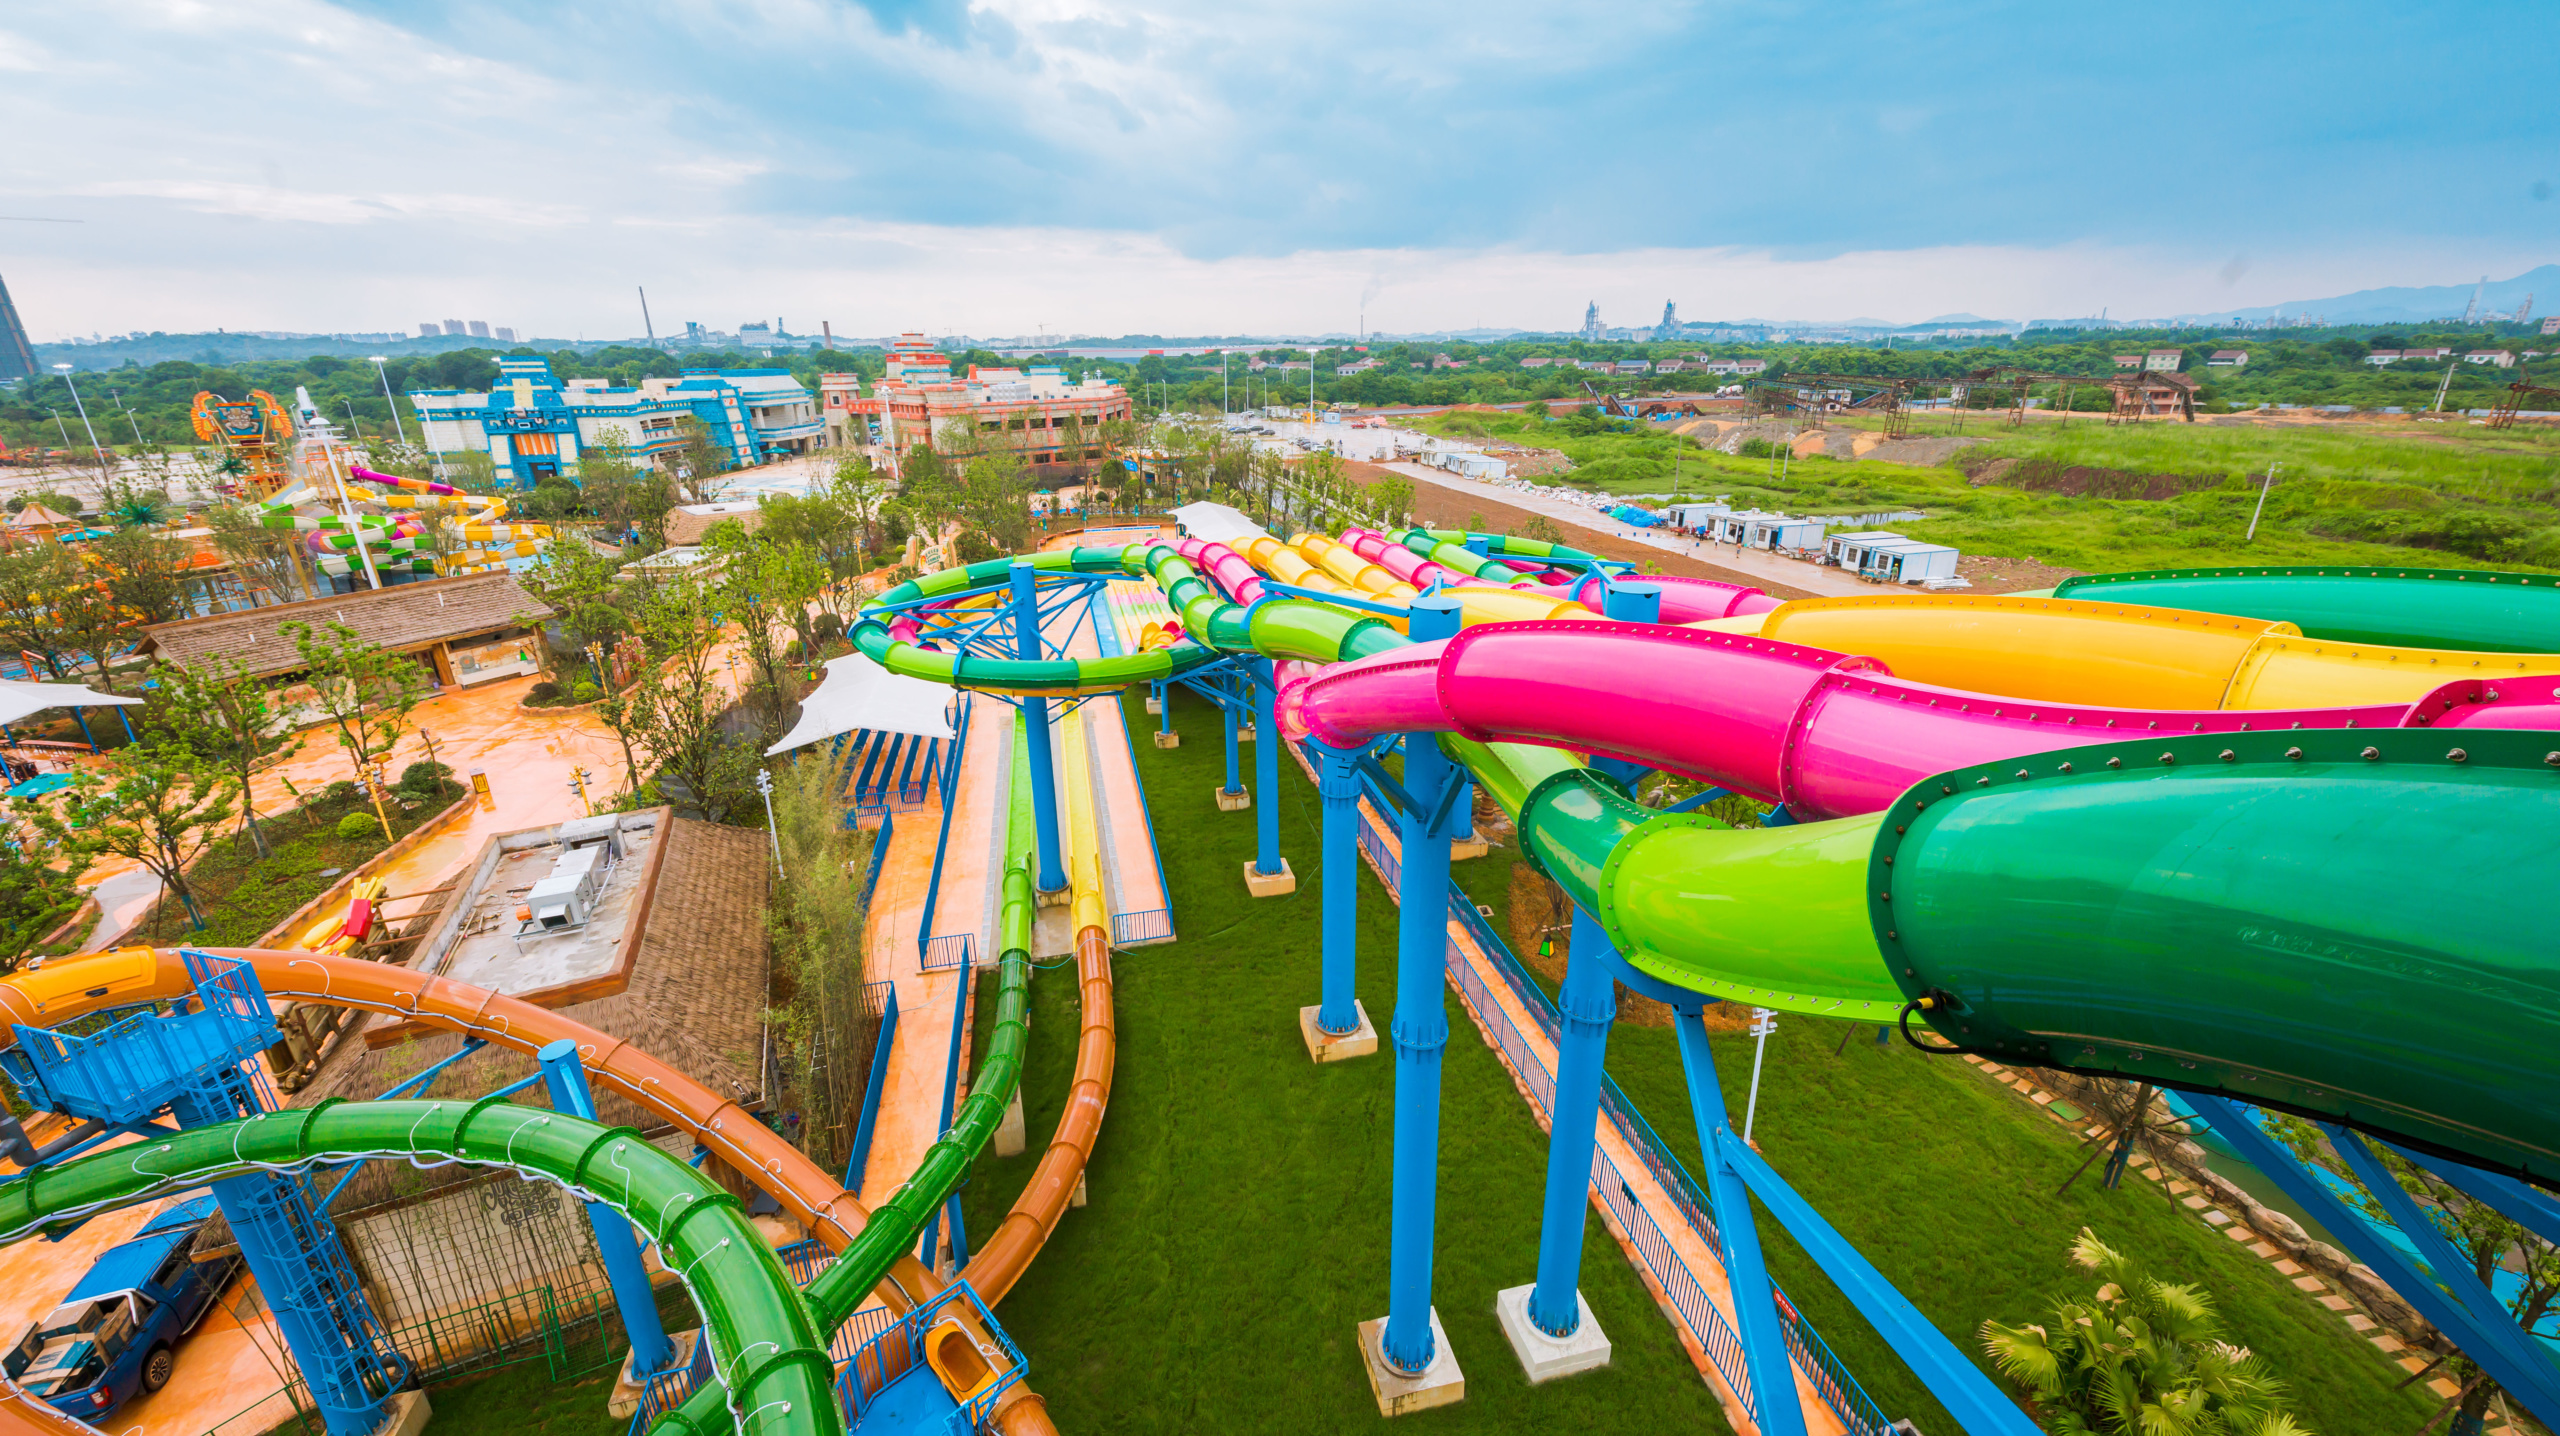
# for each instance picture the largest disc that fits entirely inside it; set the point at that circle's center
(925, 940)
(859, 1160)
(952, 949)
(879, 854)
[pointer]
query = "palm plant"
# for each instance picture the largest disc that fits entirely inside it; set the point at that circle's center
(2142, 1357)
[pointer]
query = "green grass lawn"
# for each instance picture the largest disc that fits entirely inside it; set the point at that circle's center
(524, 1398)
(1237, 1232)
(243, 895)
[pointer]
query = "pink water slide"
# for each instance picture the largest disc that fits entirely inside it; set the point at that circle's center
(1684, 600)
(1825, 733)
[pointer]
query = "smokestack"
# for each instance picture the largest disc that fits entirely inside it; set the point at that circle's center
(829, 330)
(645, 326)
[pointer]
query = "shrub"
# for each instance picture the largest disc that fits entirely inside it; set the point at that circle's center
(544, 692)
(425, 777)
(339, 791)
(585, 692)
(358, 825)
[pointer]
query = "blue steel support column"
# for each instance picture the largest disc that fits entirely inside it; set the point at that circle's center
(1774, 1404)
(1232, 725)
(1052, 874)
(1164, 705)
(1589, 1005)
(566, 1079)
(1266, 767)
(1420, 1030)
(1339, 785)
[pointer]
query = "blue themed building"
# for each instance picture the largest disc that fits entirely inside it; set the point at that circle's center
(533, 427)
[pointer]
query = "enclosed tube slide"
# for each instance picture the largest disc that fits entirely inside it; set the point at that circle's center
(66, 988)
(2393, 607)
(2370, 1031)
(775, 1370)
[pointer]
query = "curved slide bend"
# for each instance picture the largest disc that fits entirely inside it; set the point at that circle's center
(66, 988)
(774, 1364)
(2298, 980)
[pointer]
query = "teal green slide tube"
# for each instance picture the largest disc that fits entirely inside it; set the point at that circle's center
(2399, 607)
(774, 1367)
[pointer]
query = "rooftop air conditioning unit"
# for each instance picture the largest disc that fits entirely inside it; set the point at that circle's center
(560, 902)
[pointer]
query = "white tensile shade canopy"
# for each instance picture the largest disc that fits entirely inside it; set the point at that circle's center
(1218, 523)
(859, 694)
(18, 699)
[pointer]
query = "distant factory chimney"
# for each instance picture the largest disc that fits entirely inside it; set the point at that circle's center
(17, 357)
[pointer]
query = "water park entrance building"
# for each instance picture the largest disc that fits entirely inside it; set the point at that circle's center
(533, 426)
(1037, 413)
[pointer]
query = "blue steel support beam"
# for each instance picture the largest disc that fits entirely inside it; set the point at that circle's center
(1774, 1404)
(1978, 1406)
(1052, 874)
(1164, 704)
(2534, 1383)
(1266, 770)
(1338, 783)
(2532, 1207)
(1420, 1032)
(1588, 1005)
(566, 1079)
(2452, 1270)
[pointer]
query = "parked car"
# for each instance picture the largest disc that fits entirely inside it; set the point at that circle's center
(118, 1330)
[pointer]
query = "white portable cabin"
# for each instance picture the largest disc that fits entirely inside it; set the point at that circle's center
(1780, 531)
(1696, 516)
(1736, 528)
(1911, 561)
(1849, 550)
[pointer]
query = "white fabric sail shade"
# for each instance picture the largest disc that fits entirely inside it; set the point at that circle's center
(859, 694)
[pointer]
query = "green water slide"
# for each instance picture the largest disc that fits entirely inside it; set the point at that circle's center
(2403, 607)
(2341, 923)
(839, 1291)
(772, 1361)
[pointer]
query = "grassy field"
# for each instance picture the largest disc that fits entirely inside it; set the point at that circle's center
(1238, 1225)
(2450, 495)
(1238, 1228)
(243, 895)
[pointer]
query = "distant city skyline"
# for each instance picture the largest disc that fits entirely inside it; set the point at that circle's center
(1059, 165)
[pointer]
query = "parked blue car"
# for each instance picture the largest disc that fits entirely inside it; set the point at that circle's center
(117, 1332)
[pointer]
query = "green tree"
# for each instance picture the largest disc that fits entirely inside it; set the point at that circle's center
(147, 572)
(695, 465)
(35, 583)
(38, 891)
(366, 692)
(220, 711)
(158, 804)
(2142, 1357)
(766, 589)
(676, 719)
(578, 585)
(259, 557)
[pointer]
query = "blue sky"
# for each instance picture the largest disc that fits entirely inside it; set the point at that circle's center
(1007, 165)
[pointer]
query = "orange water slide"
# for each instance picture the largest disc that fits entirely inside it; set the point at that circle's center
(65, 988)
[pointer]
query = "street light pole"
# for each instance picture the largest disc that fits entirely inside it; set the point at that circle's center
(384, 374)
(83, 405)
(764, 785)
(1763, 1022)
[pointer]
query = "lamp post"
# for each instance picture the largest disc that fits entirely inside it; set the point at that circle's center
(384, 374)
(83, 405)
(118, 395)
(1763, 1022)
(764, 785)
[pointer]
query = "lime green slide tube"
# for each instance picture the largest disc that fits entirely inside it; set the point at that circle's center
(840, 1291)
(2399, 607)
(1448, 548)
(774, 1371)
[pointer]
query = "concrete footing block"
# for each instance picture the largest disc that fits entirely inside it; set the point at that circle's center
(1546, 1357)
(1077, 1197)
(1464, 848)
(1235, 802)
(1269, 884)
(406, 1413)
(630, 1385)
(1168, 740)
(1155, 705)
(1323, 1046)
(1439, 1384)
(1245, 734)
(1010, 1134)
(1060, 898)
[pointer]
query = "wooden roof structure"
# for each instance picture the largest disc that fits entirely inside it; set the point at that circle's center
(404, 616)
